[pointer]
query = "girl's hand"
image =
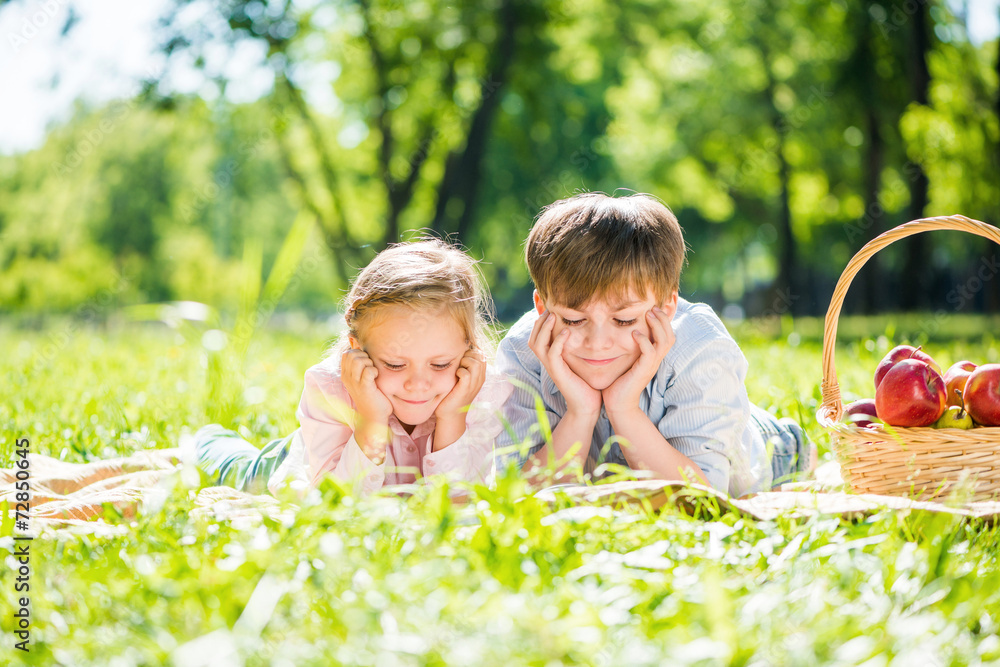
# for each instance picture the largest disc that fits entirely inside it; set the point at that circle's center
(471, 374)
(622, 397)
(358, 373)
(454, 407)
(581, 398)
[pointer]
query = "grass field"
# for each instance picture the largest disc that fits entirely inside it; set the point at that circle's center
(502, 581)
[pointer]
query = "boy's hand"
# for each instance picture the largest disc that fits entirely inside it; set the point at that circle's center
(358, 373)
(623, 395)
(580, 397)
(454, 407)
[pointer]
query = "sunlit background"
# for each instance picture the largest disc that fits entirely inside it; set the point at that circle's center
(187, 187)
(142, 145)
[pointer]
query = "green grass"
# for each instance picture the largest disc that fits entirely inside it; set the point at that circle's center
(503, 581)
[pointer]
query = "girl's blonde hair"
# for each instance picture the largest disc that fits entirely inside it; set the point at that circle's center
(427, 274)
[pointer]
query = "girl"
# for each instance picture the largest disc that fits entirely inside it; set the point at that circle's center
(405, 393)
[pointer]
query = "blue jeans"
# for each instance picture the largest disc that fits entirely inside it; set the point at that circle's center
(234, 462)
(790, 448)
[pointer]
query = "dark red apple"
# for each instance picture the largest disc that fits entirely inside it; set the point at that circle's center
(954, 378)
(910, 394)
(982, 395)
(898, 354)
(861, 413)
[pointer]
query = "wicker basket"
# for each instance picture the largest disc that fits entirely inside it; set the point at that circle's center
(897, 461)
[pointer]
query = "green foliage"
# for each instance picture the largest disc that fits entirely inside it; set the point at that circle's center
(502, 580)
(784, 133)
(128, 204)
(949, 136)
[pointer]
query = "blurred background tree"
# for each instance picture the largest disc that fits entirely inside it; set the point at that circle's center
(784, 133)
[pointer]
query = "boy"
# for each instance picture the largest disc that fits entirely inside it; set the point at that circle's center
(623, 366)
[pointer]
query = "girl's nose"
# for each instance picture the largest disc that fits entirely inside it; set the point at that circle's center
(417, 380)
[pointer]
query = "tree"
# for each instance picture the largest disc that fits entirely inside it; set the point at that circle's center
(916, 277)
(418, 87)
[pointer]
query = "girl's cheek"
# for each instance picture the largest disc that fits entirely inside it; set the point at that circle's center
(382, 382)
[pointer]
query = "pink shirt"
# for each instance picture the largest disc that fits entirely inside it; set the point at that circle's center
(326, 443)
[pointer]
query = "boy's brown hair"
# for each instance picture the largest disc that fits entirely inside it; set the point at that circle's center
(596, 246)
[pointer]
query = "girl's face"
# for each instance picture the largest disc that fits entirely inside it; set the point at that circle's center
(416, 353)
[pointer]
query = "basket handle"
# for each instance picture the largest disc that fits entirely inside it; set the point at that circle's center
(831, 409)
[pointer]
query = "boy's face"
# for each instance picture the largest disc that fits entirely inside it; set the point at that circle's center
(601, 347)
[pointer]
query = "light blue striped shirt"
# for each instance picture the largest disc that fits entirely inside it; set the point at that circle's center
(697, 400)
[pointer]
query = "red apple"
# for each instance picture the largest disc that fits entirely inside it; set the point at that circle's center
(861, 413)
(910, 394)
(899, 353)
(954, 378)
(982, 395)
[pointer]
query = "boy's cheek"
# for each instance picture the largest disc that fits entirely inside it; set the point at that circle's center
(574, 341)
(628, 337)
(557, 329)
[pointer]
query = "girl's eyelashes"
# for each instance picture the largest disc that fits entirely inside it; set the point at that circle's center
(571, 323)
(399, 367)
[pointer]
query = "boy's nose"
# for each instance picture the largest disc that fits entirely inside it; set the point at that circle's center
(597, 338)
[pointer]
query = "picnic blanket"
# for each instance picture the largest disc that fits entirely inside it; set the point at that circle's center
(76, 497)
(706, 502)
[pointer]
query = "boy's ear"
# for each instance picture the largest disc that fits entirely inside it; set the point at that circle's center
(539, 304)
(670, 305)
(355, 345)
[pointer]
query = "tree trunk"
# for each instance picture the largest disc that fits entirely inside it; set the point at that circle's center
(786, 292)
(996, 154)
(460, 184)
(917, 276)
(994, 305)
(872, 284)
(788, 282)
(333, 220)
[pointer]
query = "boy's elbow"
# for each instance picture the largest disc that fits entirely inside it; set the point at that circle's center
(714, 476)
